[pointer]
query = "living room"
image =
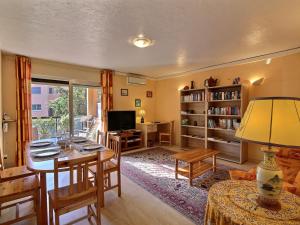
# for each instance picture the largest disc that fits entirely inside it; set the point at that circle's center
(180, 124)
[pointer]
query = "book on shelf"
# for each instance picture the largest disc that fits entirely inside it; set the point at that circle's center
(194, 97)
(224, 95)
(229, 110)
(218, 139)
(229, 124)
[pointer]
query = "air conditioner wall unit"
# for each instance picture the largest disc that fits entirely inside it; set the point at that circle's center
(136, 80)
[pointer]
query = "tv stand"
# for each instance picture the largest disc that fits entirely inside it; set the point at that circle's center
(130, 139)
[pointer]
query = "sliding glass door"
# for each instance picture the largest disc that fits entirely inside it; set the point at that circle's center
(50, 110)
(62, 109)
(86, 111)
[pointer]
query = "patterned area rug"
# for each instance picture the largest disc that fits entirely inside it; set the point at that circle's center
(154, 171)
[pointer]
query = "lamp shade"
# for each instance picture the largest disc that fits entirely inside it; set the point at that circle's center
(273, 121)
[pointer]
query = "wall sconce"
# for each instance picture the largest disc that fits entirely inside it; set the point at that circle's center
(258, 81)
(268, 61)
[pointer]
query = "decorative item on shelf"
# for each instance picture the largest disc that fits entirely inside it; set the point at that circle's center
(185, 122)
(138, 102)
(186, 88)
(211, 82)
(149, 94)
(124, 92)
(142, 114)
(236, 80)
(195, 123)
(192, 84)
(273, 122)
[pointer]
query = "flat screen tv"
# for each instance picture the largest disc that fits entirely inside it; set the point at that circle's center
(121, 120)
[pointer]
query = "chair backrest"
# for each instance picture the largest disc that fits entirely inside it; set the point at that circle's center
(114, 143)
(1, 160)
(101, 137)
(81, 180)
(171, 127)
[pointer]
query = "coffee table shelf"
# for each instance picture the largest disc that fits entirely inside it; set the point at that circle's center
(198, 169)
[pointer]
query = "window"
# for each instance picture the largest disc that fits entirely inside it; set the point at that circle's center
(36, 107)
(51, 116)
(36, 90)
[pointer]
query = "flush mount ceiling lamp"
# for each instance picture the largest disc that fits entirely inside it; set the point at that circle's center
(142, 42)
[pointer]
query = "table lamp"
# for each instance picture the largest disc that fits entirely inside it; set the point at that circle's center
(142, 114)
(273, 122)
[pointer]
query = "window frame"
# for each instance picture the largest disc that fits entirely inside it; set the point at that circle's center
(36, 107)
(70, 83)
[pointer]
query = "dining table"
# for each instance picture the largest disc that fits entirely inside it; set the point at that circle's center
(42, 166)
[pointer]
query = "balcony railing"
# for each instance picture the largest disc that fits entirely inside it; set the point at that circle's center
(49, 127)
(58, 127)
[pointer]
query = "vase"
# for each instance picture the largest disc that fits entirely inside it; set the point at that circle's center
(269, 180)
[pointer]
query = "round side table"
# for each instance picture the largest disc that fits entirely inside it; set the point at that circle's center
(234, 202)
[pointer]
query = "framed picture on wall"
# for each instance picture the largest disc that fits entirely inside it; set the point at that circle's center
(138, 102)
(124, 92)
(149, 94)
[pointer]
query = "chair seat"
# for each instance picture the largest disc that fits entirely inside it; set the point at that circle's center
(64, 198)
(109, 166)
(22, 187)
(14, 173)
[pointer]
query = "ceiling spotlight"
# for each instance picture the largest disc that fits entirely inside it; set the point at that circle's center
(268, 61)
(142, 42)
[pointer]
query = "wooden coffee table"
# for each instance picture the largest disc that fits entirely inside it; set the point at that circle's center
(196, 165)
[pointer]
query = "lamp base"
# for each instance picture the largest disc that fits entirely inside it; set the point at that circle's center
(271, 204)
(269, 180)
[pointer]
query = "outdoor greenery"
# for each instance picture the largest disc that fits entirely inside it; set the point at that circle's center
(60, 112)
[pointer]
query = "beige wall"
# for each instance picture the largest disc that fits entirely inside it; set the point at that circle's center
(55, 70)
(134, 92)
(1, 113)
(9, 107)
(282, 78)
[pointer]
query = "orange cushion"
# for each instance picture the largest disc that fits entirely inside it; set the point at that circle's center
(289, 187)
(297, 184)
(242, 175)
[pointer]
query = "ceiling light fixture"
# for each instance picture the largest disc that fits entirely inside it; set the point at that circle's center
(268, 61)
(142, 42)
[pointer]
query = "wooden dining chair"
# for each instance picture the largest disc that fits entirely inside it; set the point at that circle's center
(101, 137)
(114, 143)
(18, 185)
(166, 137)
(80, 191)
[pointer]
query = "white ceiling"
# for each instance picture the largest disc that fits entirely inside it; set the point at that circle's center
(188, 34)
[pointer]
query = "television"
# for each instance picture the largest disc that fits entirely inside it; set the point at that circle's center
(121, 120)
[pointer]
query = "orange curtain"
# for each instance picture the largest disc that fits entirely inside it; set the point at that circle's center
(106, 77)
(23, 75)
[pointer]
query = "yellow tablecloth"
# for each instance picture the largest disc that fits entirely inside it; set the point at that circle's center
(234, 203)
